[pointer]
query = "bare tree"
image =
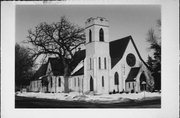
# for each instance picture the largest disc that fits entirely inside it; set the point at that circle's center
(60, 39)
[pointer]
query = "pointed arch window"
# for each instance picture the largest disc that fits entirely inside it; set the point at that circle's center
(116, 79)
(51, 81)
(74, 81)
(102, 81)
(59, 82)
(99, 63)
(90, 36)
(133, 85)
(91, 84)
(90, 63)
(78, 81)
(101, 35)
(105, 63)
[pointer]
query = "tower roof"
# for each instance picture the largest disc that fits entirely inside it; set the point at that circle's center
(96, 21)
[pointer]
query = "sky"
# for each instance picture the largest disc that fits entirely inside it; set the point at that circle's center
(124, 20)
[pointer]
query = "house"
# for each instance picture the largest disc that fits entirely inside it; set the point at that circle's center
(104, 66)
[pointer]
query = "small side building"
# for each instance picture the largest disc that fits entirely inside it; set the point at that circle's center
(49, 77)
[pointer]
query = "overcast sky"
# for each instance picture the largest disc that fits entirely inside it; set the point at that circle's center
(124, 20)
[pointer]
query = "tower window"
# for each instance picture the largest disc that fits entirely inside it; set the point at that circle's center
(102, 81)
(90, 36)
(105, 63)
(90, 63)
(101, 35)
(99, 63)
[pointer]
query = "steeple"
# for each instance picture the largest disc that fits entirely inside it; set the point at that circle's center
(97, 29)
(97, 54)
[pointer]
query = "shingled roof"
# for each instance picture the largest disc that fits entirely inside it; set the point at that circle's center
(79, 72)
(78, 57)
(57, 66)
(132, 74)
(118, 47)
(40, 72)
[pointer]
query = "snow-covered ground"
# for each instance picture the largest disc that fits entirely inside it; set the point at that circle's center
(105, 98)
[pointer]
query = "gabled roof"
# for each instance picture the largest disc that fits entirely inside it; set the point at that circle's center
(132, 74)
(41, 71)
(117, 49)
(79, 72)
(56, 66)
(78, 57)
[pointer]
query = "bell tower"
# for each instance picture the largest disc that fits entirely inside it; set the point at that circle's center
(97, 61)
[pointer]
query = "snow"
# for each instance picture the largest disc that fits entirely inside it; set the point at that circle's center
(104, 98)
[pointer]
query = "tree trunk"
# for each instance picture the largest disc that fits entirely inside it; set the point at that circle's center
(66, 77)
(66, 85)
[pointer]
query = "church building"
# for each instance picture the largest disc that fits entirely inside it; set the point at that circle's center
(103, 67)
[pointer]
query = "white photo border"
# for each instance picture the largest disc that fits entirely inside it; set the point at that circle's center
(170, 65)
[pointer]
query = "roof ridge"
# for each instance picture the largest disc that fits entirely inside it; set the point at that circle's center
(139, 53)
(121, 38)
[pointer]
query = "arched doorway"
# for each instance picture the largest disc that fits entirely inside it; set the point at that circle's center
(142, 82)
(91, 84)
(116, 80)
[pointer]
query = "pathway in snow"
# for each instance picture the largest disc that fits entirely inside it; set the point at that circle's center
(106, 98)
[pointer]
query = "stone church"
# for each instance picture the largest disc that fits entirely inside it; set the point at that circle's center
(104, 66)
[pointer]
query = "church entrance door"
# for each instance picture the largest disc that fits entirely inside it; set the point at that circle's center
(142, 82)
(91, 84)
(116, 81)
